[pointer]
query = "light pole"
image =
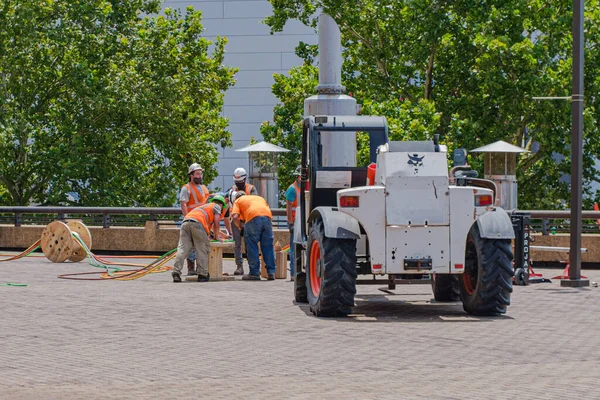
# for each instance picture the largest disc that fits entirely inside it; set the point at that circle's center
(576, 149)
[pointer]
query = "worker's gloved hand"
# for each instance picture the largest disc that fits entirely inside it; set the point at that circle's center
(290, 227)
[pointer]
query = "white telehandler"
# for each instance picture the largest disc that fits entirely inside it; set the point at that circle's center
(410, 220)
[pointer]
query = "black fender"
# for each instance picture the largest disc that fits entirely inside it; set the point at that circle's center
(338, 225)
(495, 224)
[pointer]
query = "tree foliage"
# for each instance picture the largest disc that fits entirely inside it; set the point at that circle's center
(99, 106)
(466, 70)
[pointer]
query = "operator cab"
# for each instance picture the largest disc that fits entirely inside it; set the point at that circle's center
(329, 153)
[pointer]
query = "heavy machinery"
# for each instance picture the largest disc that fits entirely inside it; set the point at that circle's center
(412, 220)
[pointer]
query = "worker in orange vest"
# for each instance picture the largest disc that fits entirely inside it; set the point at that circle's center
(239, 179)
(193, 194)
(257, 228)
(195, 235)
(292, 197)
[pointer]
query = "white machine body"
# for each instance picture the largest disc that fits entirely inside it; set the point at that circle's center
(415, 221)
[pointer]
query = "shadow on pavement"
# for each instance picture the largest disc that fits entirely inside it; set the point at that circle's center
(380, 308)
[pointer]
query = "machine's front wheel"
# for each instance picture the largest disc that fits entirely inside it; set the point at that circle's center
(486, 284)
(445, 287)
(330, 273)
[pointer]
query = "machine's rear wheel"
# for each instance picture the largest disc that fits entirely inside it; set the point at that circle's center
(330, 273)
(486, 284)
(445, 287)
(300, 288)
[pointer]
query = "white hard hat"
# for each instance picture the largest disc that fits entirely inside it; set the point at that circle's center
(194, 167)
(236, 195)
(239, 175)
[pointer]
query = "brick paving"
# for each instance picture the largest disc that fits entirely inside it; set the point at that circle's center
(153, 339)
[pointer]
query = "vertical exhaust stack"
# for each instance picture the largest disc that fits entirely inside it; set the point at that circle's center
(338, 148)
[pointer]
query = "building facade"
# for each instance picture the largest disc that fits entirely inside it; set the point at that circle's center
(258, 55)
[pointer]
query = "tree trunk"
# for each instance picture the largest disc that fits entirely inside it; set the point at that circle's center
(429, 76)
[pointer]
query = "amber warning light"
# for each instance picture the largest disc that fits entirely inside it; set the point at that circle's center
(483, 200)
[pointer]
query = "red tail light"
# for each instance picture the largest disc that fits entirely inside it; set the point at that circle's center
(483, 200)
(349, 201)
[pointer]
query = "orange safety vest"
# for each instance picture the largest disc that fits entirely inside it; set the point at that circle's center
(248, 189)
(196, 198)
(296, 200)
(250, 207)
(204, 214)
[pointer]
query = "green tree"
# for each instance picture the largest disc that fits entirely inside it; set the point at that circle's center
(99, 102)
(467, 71)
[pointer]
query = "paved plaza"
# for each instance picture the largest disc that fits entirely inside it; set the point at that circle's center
(153, 339)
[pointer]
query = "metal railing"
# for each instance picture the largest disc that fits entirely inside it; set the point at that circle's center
(105, 216)
(549, 222)
(544, 221)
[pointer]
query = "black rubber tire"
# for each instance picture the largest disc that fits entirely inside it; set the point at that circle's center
(335, 296)
(487, 283)
(445, 287)
(300, 288)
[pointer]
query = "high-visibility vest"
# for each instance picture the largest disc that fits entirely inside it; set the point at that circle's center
(250, 207)
(296, 200)
(204, 214)
(248, 188)
(196, 198)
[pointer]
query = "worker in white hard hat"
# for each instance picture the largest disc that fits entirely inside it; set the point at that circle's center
(193, 194)
(292, 197)
(240, 184)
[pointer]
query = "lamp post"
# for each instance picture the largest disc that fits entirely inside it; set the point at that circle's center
(576, 149)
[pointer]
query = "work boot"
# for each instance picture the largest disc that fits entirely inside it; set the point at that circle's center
(239, 270)
(176, 276)
(271, 277)
(191, 267)
(204, 278)
(249, 277)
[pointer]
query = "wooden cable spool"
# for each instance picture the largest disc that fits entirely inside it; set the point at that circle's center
(59, 245)
(78, 227)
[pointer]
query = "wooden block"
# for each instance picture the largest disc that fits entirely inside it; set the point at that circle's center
(263, 269)
(263, 265)
(215, 262)
(281, 265)
(215, 258)
(194, 278)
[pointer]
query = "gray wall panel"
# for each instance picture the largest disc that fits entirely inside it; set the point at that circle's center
(254, 62)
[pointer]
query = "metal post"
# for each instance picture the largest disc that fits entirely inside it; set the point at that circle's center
(576, 150)
(544, 227)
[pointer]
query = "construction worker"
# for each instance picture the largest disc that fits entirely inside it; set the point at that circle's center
(192, 195)
(194, 235)
(292, 197)
(257, 228)
(239, 179)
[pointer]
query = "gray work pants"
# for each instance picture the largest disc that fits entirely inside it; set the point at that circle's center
(192, 236)
(237, 238)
